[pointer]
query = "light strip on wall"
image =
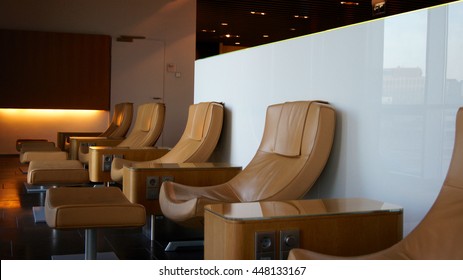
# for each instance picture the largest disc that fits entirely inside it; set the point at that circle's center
(49, 112)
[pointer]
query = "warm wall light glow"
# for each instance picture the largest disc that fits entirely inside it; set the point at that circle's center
(11, 203)
(44, 124)
(27, 113)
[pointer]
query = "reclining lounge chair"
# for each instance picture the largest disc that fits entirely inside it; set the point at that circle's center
(198, 141)
(438, 236)
(147, 129)
(184, 163)
(44, 150)
(294, 150)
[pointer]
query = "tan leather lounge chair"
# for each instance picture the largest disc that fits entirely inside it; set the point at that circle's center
(198, 141)
(295, 147)
(184, 163)
(120, 122)
(44, 150)
(116, 131)
(439, 235)
(147, 129)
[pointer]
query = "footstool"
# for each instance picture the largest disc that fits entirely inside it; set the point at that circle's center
(90, 209)
(45, 154)
(39, 150)
(59, 172)
(20, 142)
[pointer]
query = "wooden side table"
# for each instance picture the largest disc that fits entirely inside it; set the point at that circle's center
(142, 185)
(269, 229)
(63, 137)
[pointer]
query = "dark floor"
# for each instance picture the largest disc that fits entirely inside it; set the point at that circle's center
(23, 239)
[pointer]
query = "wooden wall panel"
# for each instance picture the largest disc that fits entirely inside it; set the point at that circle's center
(54, 70)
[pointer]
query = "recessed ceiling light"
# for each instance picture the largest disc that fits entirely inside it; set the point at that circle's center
(349, 3)
(265, 36)
(299, 16)
(230, 36)
(258, 13)
(224, 23)
(237, 43)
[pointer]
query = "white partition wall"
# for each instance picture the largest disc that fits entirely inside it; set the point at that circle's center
(396, 84)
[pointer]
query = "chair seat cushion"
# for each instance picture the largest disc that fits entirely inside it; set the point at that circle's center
(84, 207)
(56, 171)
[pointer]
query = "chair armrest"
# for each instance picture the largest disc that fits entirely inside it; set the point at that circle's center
(99, 165)
(142, 185)
(62, 137)
(77, 142)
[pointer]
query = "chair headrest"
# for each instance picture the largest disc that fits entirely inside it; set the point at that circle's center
(121, 111)
(145, 113)
(290, 128)
(119, 119)
(197, 114)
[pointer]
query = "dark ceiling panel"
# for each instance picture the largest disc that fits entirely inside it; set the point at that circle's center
(255, 22)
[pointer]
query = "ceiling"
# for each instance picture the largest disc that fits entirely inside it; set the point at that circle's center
(247, 23)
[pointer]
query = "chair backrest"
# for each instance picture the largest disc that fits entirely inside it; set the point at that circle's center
(120, 122)
(439, 234)
(200, 137)
(148, 126)
(295, 147)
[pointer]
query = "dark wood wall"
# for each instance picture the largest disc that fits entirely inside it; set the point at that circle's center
(54, 70)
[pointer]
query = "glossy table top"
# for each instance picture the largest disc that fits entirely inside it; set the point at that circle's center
(296, 208)
(187, 165)
(83, 138)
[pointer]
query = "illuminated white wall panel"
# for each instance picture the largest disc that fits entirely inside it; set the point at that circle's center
(396, 84)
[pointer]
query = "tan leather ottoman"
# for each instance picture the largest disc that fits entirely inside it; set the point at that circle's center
(20, 142)
(45, 154)
(48, 172)
(89, 209)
